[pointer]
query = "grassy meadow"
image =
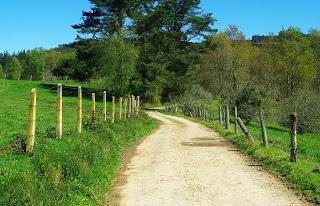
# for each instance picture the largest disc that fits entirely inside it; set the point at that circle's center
(303, 176)
(76, 170)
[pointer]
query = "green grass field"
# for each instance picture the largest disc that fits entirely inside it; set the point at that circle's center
(76, 170)
(301, 176)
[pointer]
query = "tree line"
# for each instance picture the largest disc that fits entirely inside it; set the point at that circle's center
(279, 73)
(160, 49)
(123, 46)
(37, 64)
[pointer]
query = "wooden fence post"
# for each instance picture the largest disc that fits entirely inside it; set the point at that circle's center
(227, 117)
(294, 146)
(125, 108)
(130, 107)
(138, 104)
(32, 121)
(223, 114)
(105, 105)
(59, 112)
(220, 115)
(263, 129)
(133, 105)
(120, 108)
(235, 119)
(93, 111)
(113, 108)
(244, 129)
(79, 115)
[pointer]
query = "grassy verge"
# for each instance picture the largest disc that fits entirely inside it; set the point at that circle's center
(76, 170)
(300, 176)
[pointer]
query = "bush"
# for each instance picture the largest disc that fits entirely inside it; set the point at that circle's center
(195, 97)
(307, 105)
(248, 103)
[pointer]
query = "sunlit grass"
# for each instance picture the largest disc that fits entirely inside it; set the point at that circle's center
(76, 170)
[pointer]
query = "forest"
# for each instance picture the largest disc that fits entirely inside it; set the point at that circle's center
(162, 50)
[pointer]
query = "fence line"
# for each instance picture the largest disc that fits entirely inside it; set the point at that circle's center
(32, 117)
(201, 112)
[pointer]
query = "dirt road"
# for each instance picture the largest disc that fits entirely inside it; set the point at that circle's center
(185, 163)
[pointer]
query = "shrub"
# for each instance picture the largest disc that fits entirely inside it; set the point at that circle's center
(248, 103)
(196, 96)
(307, 105)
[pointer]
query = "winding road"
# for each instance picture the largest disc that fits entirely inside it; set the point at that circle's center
(185, 163)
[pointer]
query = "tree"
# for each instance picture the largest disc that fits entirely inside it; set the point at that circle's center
(51, 62)
(65, 64)
(314, 37)
(229, 59)
(14, 70)
(296, 62)
(87, 59)
(106, 18)
(166, 32)
(5, 60)
(2, 75)
(111, 62)
(120, 63)
(163, 30)
(234, 34)
(34, 65)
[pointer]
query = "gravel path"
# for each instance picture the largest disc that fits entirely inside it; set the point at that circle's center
(185, 163)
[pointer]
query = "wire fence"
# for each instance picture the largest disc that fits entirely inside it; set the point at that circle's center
(208, 113)
(15, 115)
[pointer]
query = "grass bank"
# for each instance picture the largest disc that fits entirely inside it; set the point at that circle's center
(303, 176)
(76, 170)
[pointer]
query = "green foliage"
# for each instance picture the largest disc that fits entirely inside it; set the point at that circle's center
(307, 105)
(76, 170)
(111, 63)
(34, 65)
(14, 70)
(106, 18)
(196, 96)
(2, 75)
(163, 38)
(118, 65)
(65, 64)
(51, 62)
(248, 103)
(281, 70)
(295, 61)
(228, 61)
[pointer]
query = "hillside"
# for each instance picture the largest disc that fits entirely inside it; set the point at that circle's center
(76, 170)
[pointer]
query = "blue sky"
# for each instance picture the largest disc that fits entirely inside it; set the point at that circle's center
(264, 16)
(26, 24)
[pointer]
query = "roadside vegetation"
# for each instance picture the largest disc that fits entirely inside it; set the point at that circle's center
(76, 170)
(303, 176)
